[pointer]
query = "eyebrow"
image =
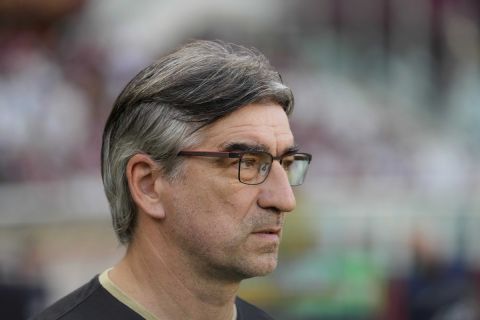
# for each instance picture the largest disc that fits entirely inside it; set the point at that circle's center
(246, 147)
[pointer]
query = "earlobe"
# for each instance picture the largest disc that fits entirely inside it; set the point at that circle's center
(146, 185)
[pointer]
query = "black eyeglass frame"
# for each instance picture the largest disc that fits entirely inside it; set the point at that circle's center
(240, 154)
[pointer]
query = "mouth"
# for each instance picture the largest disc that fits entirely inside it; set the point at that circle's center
(273, 233)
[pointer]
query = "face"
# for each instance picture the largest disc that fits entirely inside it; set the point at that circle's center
(224, 228)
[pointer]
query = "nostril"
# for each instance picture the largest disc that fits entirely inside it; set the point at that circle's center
(273, 210)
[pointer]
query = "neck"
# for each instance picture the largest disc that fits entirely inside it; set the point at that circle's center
(164, 282)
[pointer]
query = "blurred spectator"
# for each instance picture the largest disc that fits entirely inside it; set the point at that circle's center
(438, 289)
(22, 291)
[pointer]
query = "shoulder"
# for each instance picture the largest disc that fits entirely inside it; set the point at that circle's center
(248, 311)
(90, 301)
(68, 303)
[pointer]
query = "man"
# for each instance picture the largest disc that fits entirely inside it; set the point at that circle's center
(198, 161)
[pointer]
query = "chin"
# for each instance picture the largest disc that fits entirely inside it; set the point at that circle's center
(262, 266)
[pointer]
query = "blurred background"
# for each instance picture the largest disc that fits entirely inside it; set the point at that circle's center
(387, 101)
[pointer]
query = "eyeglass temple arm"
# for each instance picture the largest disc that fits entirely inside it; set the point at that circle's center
(209, 154)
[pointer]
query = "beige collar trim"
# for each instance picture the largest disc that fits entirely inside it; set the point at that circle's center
(123, 297)
(115, 291)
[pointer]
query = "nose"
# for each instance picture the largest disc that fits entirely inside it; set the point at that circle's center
(276, 191)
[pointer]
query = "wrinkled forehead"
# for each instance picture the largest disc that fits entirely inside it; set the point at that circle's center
(265, 125)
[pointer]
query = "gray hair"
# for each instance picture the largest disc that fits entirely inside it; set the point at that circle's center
(161, 109)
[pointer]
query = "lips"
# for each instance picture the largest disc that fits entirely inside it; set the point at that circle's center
(271, 230)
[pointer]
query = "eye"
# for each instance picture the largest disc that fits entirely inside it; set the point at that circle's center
(249, 162)
(264, 168)
(287, 162)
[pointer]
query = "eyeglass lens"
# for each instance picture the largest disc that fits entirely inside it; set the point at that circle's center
(255, 167)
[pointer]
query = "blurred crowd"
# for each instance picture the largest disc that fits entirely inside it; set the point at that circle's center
(381, 90)
(51, 93)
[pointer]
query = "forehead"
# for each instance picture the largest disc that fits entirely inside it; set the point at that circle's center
(255, 124)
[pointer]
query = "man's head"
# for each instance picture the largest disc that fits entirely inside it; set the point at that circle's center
(210, 97)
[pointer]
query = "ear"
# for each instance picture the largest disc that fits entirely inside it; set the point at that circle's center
(146, 185)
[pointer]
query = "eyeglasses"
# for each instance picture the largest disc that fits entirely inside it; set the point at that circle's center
(254, 166)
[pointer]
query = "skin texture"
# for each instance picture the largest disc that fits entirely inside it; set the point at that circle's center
(199, 236)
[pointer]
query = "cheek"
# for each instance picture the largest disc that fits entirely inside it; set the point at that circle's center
(214, 207)
(216, 211)
(235, 202)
